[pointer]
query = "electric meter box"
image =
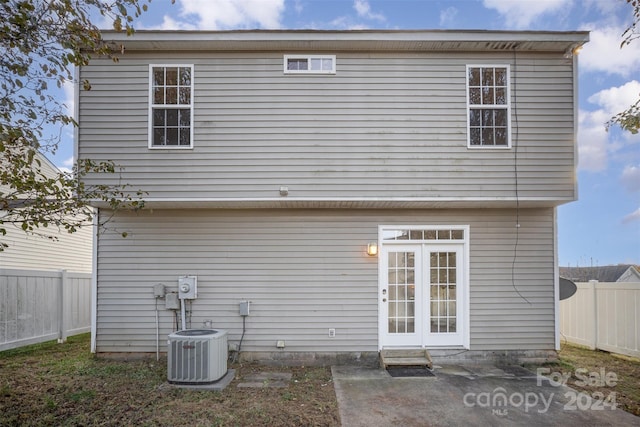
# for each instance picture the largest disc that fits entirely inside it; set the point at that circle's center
(187, 287)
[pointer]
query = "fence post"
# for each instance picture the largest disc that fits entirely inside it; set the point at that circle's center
(62, 308)
(594, 314)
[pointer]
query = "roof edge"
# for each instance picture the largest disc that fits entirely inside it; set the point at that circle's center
(376, 39)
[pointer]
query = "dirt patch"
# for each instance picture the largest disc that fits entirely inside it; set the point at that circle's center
(56, 384)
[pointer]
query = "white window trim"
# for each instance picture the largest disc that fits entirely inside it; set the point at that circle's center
(151, 105)
(309, 58)
(508, 108)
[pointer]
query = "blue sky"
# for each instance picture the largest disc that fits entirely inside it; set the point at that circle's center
(603, 227)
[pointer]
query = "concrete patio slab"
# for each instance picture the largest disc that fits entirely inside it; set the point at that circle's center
(467, 395)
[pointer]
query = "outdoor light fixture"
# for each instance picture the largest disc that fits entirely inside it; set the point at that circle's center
(573, 51)
(372, 249)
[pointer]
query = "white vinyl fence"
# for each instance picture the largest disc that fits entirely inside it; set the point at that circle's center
(603, 316)
(38, 306)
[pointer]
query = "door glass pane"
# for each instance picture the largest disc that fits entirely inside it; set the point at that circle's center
(392, 261)
(401, 276)
(415, 234)
(457, 234)
(442, 318)
(401, 286)
(392, 276)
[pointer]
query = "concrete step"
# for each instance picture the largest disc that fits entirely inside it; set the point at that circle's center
(405, 357)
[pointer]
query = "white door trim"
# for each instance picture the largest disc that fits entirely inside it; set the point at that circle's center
(423, 244)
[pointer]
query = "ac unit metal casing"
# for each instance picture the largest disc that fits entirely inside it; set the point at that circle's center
(197, 356)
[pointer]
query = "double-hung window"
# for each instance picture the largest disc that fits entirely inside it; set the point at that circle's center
(488, 106)
(171, 106)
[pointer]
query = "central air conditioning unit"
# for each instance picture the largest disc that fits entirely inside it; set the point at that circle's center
(197, 356)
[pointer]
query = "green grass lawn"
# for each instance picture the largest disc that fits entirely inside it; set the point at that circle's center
(64, 384)
(594, 371)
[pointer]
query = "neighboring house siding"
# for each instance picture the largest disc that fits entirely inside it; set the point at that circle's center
(306, 271)
(48, 248)
(385, 125)
(72, 252)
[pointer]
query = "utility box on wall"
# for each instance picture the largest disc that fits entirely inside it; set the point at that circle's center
(187, 287)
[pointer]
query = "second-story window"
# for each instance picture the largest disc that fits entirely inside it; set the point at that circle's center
(488, 106)
(171, 106)
(310, 64)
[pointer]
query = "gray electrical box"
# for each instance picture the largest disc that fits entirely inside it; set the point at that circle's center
(158, 290)
(187, 287)
(171, 301)
(244, 308)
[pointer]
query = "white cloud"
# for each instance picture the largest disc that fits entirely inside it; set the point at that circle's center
(631, 178)
(447, 16)
(168, 23)
(633, 216)
(592, 141)
(228, 14)
(607, 8)
(344, 23)
(363, 9)
(617, 99)
(595, 144)
(522, 13)
(67, 165)
(603, 53)
(69, 101)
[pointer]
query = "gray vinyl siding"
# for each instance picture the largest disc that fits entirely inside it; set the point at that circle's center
(385, 125)
(306, 271)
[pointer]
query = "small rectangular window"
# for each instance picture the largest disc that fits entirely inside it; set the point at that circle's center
(488, 102)
(170, 106)
(310, 64)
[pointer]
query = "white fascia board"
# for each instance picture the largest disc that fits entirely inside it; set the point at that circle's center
(352, 35)
(419, 40)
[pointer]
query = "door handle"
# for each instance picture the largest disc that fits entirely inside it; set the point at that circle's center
(384, 300)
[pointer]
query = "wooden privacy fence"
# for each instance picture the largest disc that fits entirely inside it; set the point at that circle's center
(37, 306)
(603, 316)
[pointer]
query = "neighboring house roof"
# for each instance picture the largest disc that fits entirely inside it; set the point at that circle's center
(605, 273)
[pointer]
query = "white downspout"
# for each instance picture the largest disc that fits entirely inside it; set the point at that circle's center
(96, 213)
(94, 281)
(556, 280)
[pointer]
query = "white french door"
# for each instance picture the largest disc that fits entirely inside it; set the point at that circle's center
(423, 295)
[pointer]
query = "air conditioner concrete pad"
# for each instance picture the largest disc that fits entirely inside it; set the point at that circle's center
(219, 385)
